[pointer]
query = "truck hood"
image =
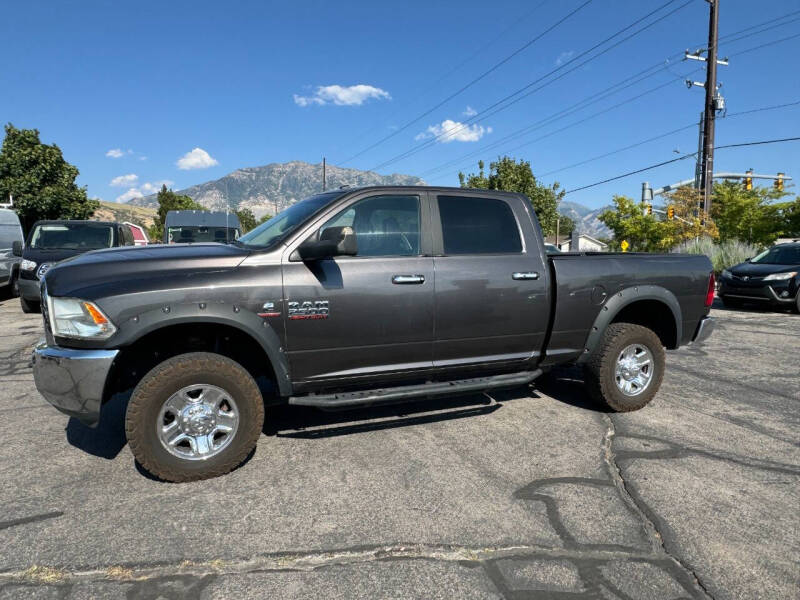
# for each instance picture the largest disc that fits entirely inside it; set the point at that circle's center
(116, 271)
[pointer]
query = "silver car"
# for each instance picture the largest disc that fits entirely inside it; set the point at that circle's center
(10, 232)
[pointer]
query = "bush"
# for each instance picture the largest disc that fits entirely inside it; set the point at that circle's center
(722, 255)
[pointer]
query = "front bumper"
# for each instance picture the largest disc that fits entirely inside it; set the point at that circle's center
(704, 329)
(29, 289)
(73, 380)
(776, 293)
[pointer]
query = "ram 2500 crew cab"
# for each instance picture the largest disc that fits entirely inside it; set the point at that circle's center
(352, 297)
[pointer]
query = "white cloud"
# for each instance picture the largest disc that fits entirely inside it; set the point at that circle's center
(145, 189)
(115, 153)
(196, 159)
(352, 95)
(452, 131)
(142, 158)
(564, 57)
(469, 111)
(124, 180)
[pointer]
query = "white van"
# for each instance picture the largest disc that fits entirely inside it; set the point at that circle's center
(10, 232)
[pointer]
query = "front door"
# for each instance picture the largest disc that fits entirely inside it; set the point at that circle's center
(354, 317)
(492, 303)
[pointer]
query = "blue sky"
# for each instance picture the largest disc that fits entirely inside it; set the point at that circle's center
(185, 92)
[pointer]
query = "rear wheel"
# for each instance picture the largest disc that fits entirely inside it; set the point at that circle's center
(30, 306)
(14, 285)
(627, 368)
(194, 416)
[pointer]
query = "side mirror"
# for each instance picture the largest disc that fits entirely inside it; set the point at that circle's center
(333, 241)
(16, 248)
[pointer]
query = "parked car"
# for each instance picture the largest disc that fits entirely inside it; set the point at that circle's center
(352, 297)
(771, 278)
(552, 249)
(51, 241)
(10, 232)
(192, 226)
(139, 234)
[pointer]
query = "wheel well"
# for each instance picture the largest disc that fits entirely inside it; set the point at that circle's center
(654, 315)
(136, 360)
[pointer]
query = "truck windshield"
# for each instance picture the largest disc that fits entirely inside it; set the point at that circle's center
(779, 255)
(284, 223)
(78, 236)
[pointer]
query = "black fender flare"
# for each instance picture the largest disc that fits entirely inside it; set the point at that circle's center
(625, 297)
(227, 314)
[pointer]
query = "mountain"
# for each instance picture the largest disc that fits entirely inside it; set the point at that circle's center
(273, 187)
(113, 211)
(585, 218)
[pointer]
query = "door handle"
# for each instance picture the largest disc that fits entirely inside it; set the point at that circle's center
(408, 279)
(525, 275)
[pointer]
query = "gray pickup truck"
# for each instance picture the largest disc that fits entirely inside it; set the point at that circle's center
(352, 297)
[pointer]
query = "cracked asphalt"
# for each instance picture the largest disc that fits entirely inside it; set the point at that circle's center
(528, 493)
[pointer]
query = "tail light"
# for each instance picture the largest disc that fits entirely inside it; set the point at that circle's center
(711, 286)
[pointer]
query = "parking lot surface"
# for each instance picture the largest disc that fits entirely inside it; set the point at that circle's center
(527, 493)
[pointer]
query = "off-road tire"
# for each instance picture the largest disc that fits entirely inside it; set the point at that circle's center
(30, 306)
(170, 376)
(13, 285)
(797, 302)
(600, 370)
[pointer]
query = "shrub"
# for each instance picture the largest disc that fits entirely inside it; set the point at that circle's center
(722, 255)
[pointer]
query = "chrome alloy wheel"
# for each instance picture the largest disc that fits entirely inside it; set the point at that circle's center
(197, 422)
(634, 369)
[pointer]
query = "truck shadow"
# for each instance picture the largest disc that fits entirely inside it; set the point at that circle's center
(566, 385)
(108, 438)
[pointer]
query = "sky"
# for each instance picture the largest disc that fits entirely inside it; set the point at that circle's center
(142, 93)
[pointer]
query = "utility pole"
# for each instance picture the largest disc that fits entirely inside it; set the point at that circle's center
(698, 170)
(324, 166)
(710, 108)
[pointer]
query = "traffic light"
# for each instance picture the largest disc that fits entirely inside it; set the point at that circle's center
(779, 182)
(748, 181)
(649, 209)
(670, 212)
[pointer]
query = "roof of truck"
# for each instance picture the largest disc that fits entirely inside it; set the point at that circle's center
(197, 218)
(8, 217)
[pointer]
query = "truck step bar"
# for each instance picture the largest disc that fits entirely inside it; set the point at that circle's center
(412, 392)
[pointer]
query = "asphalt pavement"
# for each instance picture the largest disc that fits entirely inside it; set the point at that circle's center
(526, 493)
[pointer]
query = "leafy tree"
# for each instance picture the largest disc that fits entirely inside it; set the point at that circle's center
(687, 224)
(264, 219)
(512, 176)
(751, 215)
(630, 222)
(41, 181)
(246, 219)
(167, 201)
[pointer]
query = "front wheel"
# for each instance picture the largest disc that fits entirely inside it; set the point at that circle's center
(29, 306)
(626, 369)
(194, 416)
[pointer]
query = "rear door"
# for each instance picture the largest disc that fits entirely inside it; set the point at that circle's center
(492, 300)
(352, 318)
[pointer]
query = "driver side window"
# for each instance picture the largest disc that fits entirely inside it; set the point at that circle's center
(384, 225)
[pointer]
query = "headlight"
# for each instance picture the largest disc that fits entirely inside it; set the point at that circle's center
(73, 318)
(27, 265)
(726, 273)
(780, 276)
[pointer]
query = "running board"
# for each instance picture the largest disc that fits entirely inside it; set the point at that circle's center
(411, 392)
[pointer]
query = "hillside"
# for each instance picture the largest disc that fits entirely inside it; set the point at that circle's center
(112, 211)
(273, 187)
(585, 218)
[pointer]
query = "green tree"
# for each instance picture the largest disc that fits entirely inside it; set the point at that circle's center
(246, 219)
(629, 222)
(167, 201)
(750, 215)
(40, 180)
(509, 175)
(687, 224)
(264, 219)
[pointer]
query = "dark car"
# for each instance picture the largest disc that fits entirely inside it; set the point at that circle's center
(52, 241)
(771, 278)
(193, 226)
(353, 297)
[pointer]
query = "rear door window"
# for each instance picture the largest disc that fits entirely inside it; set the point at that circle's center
(473, 225)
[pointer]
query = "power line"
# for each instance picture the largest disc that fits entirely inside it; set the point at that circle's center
(663, 135)
(509, 97)
(685, 156)
(496, 66)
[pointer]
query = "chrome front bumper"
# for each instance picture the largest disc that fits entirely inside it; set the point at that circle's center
(72, 379)
(704, 329)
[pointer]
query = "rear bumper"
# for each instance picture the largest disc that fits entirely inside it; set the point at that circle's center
(704, 329)
(73, 380)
